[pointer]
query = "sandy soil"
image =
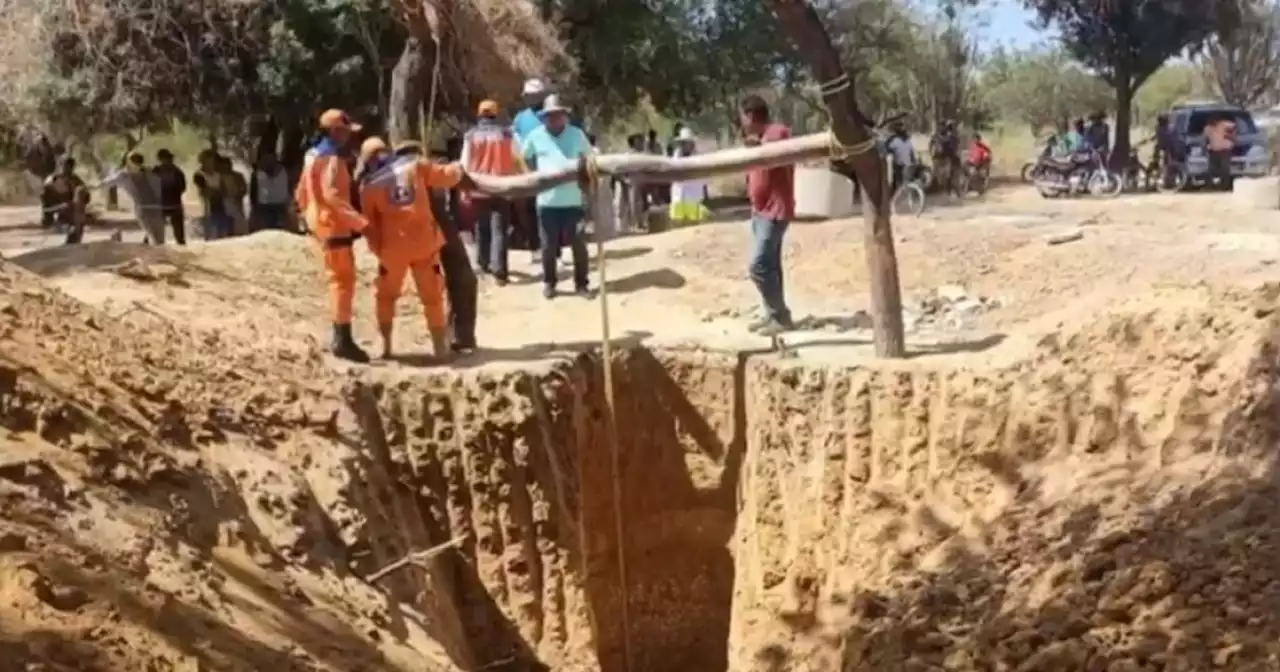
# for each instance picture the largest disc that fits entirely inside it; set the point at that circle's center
(191, 485)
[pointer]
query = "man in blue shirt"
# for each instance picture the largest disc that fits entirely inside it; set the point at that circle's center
(524, 123)
(556, 144)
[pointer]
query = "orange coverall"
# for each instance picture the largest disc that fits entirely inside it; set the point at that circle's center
(405, 236)
(324, 196)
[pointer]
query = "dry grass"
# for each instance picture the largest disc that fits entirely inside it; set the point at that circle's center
(500, 43)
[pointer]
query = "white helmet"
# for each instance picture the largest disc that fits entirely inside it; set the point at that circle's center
(534, 86)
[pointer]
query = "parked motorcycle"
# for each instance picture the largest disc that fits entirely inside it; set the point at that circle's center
(976, 177)
(1082, 173)
(1032, 170)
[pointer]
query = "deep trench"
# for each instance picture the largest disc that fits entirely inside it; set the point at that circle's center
(520, 463)
(761, 493)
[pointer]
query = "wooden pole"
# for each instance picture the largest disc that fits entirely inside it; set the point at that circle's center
(805, 30)
(640, 168)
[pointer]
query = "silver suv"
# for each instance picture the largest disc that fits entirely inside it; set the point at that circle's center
(1250, 158)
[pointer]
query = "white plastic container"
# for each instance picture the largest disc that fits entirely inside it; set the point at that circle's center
(823, 194)
(1260, 193)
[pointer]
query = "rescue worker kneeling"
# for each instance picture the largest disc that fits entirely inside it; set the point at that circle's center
(395, 197)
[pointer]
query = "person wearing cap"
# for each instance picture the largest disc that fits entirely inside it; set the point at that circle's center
(526, 122)
(173, 184)
(490, 149)
(323, 195)
(557, 144)
(395, 197)
(143, 188)
(460, 281)
(687, 197)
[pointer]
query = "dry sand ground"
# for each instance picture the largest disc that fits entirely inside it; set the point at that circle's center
(1073, 471)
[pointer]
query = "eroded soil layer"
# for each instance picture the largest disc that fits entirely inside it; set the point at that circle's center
(175, 502)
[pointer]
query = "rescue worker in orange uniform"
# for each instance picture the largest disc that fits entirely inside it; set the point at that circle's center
(395, 196)
(490, 148)
(323, 195)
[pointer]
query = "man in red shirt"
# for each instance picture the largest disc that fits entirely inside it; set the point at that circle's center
(773, 205)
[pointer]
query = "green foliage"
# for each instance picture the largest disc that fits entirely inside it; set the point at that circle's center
(1041, 88)
(1125, 42)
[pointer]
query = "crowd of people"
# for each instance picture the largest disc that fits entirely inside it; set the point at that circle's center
(407, 207)
(411, 234)
(157, 193)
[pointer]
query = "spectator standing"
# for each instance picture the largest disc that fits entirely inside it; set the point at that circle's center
(772, 195)
(210, 183)
(556, 144)
(269, 196)
(490, 148)
(173, 184)
(143, 188)
(689, 196)
(902, 155)
(237, 188)
(525, 123)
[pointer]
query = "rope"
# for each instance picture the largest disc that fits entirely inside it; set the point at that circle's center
(431, 100)
(606, 352)
(840, 151)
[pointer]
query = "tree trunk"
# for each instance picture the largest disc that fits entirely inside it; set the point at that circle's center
(268, 138)
(1124, 119)
(403, 110)
(805, 30)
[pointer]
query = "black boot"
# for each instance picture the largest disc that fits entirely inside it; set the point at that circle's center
(344, 346)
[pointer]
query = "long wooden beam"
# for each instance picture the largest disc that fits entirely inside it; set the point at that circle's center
(651, 167)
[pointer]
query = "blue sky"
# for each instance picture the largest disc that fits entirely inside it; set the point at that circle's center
(1006, 23)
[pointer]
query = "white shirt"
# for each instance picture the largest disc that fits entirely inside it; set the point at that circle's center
(273, 189)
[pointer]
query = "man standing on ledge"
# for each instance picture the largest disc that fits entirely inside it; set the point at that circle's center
(324, 197)
(773, 205)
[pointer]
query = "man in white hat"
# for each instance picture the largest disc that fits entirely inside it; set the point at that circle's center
(558, 144)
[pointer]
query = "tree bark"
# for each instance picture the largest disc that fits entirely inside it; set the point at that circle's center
(1124, 119)
(804, 28)
(407, 93)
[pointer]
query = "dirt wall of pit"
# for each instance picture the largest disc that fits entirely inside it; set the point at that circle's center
(780, 517)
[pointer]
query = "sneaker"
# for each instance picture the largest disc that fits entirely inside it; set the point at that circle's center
(500, 280)
(769, 326)
(585, 292)
(548, 292)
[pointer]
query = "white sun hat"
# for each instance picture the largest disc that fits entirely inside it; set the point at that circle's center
(686, 134)
(553, 104)
(534, 86)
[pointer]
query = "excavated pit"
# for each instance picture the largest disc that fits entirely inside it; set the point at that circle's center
(1102, 504)
(1105, 500)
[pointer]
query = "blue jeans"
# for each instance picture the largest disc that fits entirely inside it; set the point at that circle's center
(492, 218)
(766, 265)
(555, 226)
(218, 225)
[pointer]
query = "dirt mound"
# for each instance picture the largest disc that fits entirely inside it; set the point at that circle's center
(153, 519)
(181, 492)
(1108, 504)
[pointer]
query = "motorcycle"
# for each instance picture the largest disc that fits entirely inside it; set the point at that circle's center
(1082, 173)
(1032, 170)
(976, 177)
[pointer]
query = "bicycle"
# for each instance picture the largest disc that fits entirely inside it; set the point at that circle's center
(909, 198)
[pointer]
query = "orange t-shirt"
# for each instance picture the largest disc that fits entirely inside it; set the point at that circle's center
(396, 199)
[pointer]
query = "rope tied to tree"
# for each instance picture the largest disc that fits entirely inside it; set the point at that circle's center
(590, 187)
(839, 150)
